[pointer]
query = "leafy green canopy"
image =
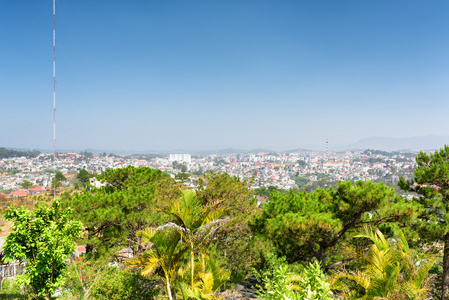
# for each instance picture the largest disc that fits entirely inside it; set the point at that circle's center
(431, 183)
(132, 199)
(303, 225)
(236, 199)
(44, 238)
(233, 193)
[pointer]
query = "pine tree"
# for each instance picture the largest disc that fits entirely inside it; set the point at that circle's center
(431, 183)
(304, 225)
(131, 200)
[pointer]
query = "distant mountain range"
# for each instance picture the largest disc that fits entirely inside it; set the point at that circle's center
(428, 142)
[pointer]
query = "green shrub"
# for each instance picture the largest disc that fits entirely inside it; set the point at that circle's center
(279, 283)
(105, 282)
(311, 284)
(11, 289)
(117, 284)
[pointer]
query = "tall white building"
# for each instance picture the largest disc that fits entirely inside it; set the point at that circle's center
(187, 158)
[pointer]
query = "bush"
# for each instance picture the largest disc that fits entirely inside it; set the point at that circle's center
(106, 282)
(279, 283)
(117, 284)
(11, 289)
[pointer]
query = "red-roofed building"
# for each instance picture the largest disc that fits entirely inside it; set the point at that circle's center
(19, 193)
(36, 190)
(261, 200)
(4, 195)
(80, 250)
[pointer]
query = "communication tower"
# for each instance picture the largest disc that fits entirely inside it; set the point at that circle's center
(54, 94)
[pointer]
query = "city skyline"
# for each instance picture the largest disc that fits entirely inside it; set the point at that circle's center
(213, 75)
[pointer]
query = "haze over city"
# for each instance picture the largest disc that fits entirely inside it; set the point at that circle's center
(216, 74)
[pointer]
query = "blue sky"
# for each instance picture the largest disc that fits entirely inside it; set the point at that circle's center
(140, 75)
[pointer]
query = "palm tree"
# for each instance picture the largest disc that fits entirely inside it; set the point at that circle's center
(209, 278)
(196, 224)
(161, 259)
(389, 272)
(194, 227)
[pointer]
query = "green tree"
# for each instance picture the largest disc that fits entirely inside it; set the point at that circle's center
(58, 180)
(233, 194)
(83, 179)
(303, 225)
(6, 153)
(180, 166)
(132, 200)
(83, 176)
(77, 185)
(431, 183)
(27, 184)
(60, 177)
(300, 181)
(44, 238)
(182, 176)
(87, 154)
(301, 163)
(235, 197)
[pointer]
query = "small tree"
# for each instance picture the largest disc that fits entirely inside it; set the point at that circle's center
(58, 180)
(83, 178)
(44, 238)
(60, 177)
(26, 184)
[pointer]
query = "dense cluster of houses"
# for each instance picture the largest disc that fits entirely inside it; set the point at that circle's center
(262, 169)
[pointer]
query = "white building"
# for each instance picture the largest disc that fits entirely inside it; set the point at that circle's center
(187, 158)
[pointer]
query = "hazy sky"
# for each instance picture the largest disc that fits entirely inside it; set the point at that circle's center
(205, 74)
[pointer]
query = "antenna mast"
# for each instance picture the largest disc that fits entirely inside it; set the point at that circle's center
(54, 95)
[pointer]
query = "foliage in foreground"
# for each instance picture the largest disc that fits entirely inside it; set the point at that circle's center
(192, 230)
(279, 283)
(44, 238)
(106, 282)
(12, 290)
(388, 272)
(296, 225)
